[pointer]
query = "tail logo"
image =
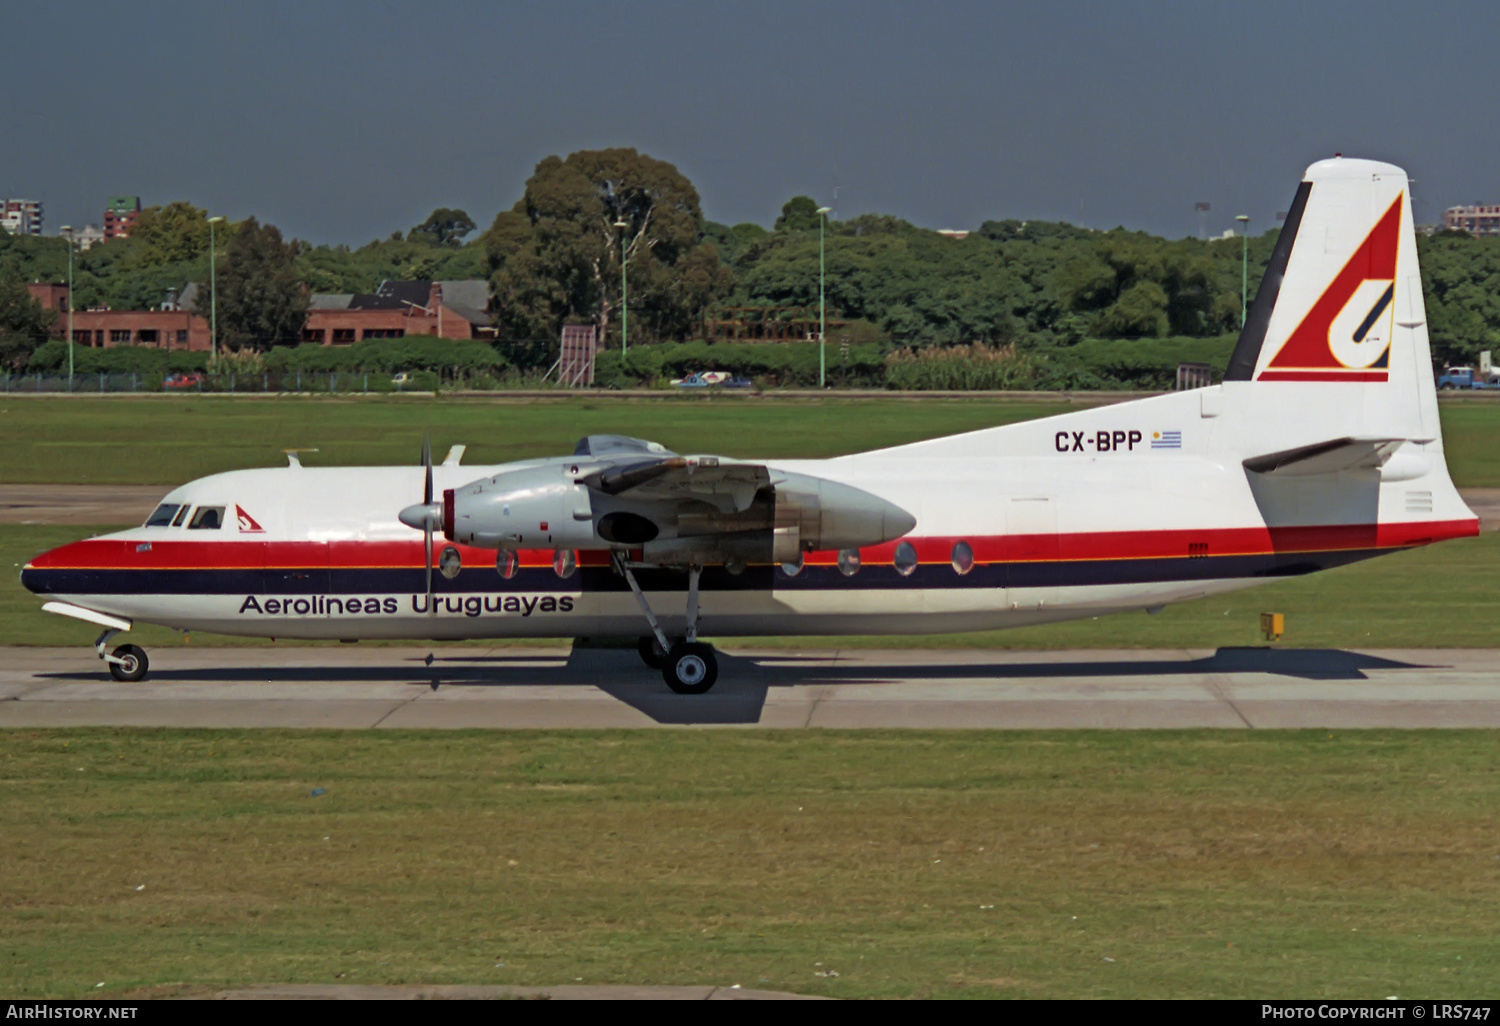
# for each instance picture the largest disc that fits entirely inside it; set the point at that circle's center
(247, 522)
(1346, 336)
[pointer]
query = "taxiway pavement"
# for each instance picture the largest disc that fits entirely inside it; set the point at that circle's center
(365, 688)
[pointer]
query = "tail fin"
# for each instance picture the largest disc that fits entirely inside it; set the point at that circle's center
(1339, 315)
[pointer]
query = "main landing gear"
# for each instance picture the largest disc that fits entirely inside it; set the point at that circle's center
(689, 666)
(127, 664)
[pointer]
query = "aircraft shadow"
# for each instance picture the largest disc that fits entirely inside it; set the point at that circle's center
(744, 682)
(1306, 664)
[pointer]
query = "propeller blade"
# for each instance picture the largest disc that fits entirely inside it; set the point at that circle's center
(427, 465)
(427, 547)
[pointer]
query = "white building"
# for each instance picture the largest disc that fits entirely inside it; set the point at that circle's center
(21, 216)
(84, 238)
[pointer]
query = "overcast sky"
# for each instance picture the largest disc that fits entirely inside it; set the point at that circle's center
(344, 120)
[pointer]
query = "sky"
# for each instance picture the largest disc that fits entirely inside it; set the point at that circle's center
(342, 121)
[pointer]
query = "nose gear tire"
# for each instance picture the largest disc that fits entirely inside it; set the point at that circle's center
(132, 666)
(690, 668)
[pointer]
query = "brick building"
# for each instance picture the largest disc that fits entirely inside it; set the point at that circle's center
(1476, 220)
(120, 215)
(52, 295)
(169, 328)
(166, 329)
(449, 309)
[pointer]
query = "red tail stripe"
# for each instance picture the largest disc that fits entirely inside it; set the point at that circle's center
(1344, 375)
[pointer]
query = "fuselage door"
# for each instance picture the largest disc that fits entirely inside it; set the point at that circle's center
(1031, 549)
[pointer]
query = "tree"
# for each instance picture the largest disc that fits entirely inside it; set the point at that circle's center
(23, 321)
(261, 301)
(732, 242)
(1132, 285)
(444, 227)
(555, 256)
(798, 214)
(170, 234)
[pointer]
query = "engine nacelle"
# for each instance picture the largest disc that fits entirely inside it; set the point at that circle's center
(540, 507)
(546, 506)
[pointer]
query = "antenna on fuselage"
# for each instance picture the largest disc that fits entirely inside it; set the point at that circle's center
(294, 456)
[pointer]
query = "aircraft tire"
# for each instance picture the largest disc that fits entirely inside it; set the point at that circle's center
(651, 653)
(690, 668)
(134, 665)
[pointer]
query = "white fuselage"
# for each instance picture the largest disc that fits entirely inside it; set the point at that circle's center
(1122, 507)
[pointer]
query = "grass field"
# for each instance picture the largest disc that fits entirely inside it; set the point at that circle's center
(125, 441)
(169, 440)
(1207, 864)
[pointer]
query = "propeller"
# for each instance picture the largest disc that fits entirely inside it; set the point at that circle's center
(425, 516)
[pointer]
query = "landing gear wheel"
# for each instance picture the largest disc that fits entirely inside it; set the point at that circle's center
(690, 668)
(132, 665)
(651, 652)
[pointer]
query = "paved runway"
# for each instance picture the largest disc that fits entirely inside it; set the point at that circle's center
(363, 688)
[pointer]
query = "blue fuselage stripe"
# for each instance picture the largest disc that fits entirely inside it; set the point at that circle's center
(368, 581)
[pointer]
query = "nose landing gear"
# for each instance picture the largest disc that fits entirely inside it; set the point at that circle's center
(127, 664)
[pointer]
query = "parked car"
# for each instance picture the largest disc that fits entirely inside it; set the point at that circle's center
(182, 382)
(739, 381)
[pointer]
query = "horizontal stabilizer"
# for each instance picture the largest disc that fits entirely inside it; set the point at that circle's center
(1327, 457)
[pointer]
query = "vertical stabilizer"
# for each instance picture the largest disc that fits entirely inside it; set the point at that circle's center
(1339, 317)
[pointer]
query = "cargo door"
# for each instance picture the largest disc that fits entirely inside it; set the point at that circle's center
(1031, 552)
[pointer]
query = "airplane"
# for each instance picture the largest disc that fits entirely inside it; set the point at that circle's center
(1321, 447)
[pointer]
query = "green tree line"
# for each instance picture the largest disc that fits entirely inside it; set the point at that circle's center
(1070, 304)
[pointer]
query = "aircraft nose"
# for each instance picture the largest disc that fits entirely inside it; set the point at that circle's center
(37, 574)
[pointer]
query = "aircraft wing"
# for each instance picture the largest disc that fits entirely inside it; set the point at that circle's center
(1327, 457)
(727, 485)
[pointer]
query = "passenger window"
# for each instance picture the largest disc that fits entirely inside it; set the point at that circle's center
(181, 516)
(207, 518)
(163, 515)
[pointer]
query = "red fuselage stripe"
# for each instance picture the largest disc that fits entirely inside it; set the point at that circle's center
(112, 554)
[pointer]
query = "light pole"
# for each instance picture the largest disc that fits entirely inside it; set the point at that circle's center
(213, 294)
(822, 306)
(68, 231)
(622, 224)
(1244, 220)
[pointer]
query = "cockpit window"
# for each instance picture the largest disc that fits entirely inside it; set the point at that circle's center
(181, 516)
(207, 518)
(163, 515)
